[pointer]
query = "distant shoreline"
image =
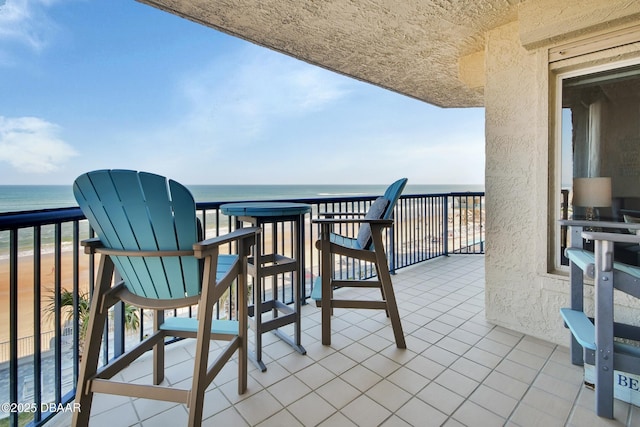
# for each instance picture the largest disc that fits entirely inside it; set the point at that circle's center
(31, 197)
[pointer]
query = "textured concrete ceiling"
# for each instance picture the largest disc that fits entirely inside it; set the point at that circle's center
(412, 47)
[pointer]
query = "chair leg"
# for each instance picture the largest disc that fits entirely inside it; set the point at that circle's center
(326, 273)
(205, 314)
(384, 298)
(392, 309)
(387, 286)
(158, 350)
(88, 367)
(243, 324)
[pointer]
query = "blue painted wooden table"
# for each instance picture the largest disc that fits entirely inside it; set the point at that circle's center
(268, 268)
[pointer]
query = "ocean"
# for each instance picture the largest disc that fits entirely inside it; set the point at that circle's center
(16, 198)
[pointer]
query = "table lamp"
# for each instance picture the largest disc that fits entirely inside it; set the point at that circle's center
(592, 193)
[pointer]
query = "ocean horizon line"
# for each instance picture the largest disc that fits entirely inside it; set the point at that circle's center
(26, 197)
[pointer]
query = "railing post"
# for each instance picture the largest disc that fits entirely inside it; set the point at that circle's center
(58, 314)
(118, 323)
(392, 247)
(445, 228)
(37, 331)
(13, 324)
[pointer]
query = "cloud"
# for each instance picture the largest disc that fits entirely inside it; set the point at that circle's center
(32, 145)
(26, 22)
(245, 94)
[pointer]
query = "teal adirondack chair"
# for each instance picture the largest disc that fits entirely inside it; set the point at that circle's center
(367, 246)
(148, 231)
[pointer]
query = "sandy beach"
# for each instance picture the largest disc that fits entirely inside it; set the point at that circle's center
(26, 290)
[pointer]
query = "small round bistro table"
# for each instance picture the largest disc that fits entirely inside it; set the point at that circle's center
(270, 265)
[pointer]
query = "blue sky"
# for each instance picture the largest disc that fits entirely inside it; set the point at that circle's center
(90, 84)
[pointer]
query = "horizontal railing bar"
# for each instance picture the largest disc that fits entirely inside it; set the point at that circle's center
(24, 219)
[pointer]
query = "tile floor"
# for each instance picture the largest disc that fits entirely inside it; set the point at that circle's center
(458, 370)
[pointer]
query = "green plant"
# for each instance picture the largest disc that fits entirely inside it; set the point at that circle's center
(131, 313)
(24, 418)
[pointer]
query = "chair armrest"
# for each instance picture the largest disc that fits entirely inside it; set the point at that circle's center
(205, 248)
(600, 224)
(90, 245)
(611, 237)
(342, 214)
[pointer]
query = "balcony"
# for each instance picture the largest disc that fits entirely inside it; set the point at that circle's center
(458, 369)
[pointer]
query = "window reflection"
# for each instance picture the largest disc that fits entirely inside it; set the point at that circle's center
(601, 138)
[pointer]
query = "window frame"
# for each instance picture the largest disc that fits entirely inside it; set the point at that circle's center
(558, 74)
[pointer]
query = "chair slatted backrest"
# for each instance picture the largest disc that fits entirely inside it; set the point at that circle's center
(392, 194)
(382, 208)
(132, 210)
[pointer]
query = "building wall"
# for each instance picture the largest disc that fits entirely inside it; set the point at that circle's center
(523, 292)
(515, 179)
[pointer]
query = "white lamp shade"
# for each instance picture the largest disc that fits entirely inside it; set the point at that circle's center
(592, 192)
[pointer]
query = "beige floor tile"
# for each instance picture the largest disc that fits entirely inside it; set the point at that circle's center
(379, 340)
(517, 371)
(471, 414)
(418, 413)
(258, 407)
(526, 416)
(176, 416)
(427, 335)
(228, 417)
(454, 346)
(408, 380)
(470, 369)
(547, 403)
(274, 373)
(146, 408)
(494, 401)
(388, 395)
(561, 389)
(337, 420)
(315, 375)
(124, 415)
(505, 384)
(536, 346)
(282, 418)
(338, 392)
(364, 412)
(337, 363)
(214, 402)
(357, 352)
(294, 362)
(381, 365)
(457, 382)
(311, 410)
(104, 402)
(493, 347)
(288, 390)
(465, 336)
(441, 398)
(425, 366)
(483, 357)
(527, 359)
(361, 378)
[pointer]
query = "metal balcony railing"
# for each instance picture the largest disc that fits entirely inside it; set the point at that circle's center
(39, 356)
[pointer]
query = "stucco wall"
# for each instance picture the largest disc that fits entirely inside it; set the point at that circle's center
(516, 171)
(520, 292)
